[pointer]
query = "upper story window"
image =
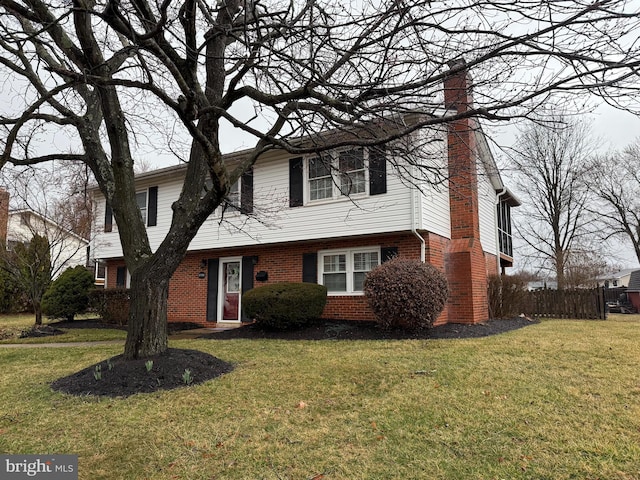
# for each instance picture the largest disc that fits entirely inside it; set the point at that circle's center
(147, 202)
(333, 175)
(344, 271)
(336, 174)
(505, 236)
(141, 200)
(240, 196)
(352, 170)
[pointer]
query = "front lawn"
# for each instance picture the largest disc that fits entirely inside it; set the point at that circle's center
(11, 327)
(555, 400)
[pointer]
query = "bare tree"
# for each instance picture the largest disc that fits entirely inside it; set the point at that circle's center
(105, 73)
(616, 182)
(50, 202)
(30, 266)
(551, 164)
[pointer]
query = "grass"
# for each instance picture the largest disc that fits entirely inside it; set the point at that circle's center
(12, 325)
(556, 400)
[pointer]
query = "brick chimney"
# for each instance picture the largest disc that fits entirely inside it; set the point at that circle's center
(465, 263)
(4, 215)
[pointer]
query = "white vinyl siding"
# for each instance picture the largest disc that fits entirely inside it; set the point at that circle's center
(487, 201)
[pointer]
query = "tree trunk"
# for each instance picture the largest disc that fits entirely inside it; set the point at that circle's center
(37, 309)
(147, 330)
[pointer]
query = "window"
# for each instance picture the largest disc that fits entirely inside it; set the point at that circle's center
(344, 271)
(504, 228)
(141, 200)
(320, 179)
(337, 174)
(352, 172)
(239, 198)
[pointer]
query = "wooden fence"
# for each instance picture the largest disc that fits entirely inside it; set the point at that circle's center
(578, 303)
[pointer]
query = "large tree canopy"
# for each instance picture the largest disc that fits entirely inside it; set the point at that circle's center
(99, 77)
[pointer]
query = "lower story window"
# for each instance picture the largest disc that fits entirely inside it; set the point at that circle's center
(344, 271)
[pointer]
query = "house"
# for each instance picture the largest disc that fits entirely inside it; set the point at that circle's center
(633, 290)
(67, 249)
(617, 279)
(302, 228)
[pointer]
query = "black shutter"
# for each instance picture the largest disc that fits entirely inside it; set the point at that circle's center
(388, 253)
(310, 267)
(152, 207)
(212, 290)
(377, 171)
(296, 198)
(246, 192)
(247, 279)
(121, 277)
(108, 218)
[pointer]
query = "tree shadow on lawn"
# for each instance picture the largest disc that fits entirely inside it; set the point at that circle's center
(117, 377)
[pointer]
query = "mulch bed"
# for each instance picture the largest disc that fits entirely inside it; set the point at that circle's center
(345, 330)
(120, 378)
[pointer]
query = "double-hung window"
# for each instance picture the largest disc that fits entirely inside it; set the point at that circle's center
(352, 172)
(141, 200)
(336, 174)
(344, 271)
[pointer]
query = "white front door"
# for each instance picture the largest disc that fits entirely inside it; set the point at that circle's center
(229, 290)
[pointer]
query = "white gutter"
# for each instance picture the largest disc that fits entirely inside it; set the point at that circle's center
(415, 192)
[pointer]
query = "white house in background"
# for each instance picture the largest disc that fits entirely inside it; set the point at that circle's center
(617, 279)
(67, 248)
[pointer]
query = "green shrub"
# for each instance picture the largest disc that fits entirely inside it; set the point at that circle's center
(111, 304)
(406, 293)
(11, 300)
(285, 305)
(68, 295)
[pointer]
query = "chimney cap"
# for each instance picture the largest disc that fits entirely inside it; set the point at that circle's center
(457, 63)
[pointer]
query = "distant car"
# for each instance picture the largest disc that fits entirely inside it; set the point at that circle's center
(614, 307)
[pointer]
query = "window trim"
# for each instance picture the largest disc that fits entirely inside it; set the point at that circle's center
(336, 177)
(349, 267)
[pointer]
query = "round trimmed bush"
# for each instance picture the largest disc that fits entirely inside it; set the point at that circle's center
(285, 305)
(68, 294)
(406, 293)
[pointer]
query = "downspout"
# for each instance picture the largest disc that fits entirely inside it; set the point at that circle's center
(415, 209)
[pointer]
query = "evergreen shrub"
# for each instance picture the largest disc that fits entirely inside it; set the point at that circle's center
(68, 294)
(285, 305)
(406, 293)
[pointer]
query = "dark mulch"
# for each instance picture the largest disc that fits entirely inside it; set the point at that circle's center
(345, 330)
(120, 378)
(40, 331)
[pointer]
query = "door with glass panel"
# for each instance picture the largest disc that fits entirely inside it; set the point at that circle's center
(229, 294)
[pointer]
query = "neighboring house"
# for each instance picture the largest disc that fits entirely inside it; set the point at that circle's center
(617, 279)
(542, 285)
(19, 226)
(307, 230)
(633, 290)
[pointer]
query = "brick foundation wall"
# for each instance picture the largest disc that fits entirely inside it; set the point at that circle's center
(283, 263)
